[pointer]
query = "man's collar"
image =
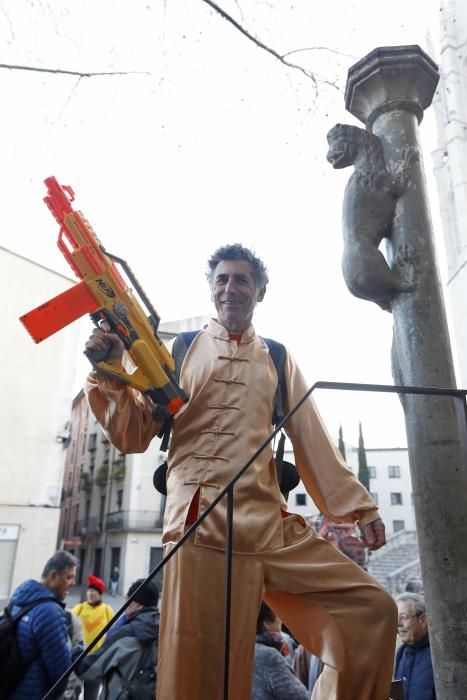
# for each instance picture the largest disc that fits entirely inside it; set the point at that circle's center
(217, 330)
(421, 644)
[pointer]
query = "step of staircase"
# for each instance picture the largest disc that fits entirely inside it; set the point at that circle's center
(396, 562)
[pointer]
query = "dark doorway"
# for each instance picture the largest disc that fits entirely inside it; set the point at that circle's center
(82, 554)
(97, 561)
(114, 558)
(155, 558)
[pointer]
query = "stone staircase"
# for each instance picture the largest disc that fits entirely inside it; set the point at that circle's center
(397, 562)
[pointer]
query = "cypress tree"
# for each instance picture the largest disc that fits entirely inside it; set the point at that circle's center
(363, 473)
(341, 445)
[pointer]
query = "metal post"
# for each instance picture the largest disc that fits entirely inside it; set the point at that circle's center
(228, 589)
(388, 90)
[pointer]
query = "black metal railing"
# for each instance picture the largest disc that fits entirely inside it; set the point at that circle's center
(459, 395)
(133, 520)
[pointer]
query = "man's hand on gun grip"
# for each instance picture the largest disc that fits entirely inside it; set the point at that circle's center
(102, 339)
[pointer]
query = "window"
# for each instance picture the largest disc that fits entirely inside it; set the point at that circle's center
(372, 472)
(119, 499)
(396, 499)
(394, 471)
(101, 512)
(374, 497)
(300, 499)
(398, 525)
(92, 442)
(75, 519)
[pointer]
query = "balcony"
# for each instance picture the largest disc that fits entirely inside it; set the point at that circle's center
(118, 469)
(134, 520)
(86, 482)
(102, 475)
(84, 528)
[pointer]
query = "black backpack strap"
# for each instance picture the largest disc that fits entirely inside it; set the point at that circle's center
(283, 469)
(279, 458)
(278, 354)
(179, 349)
(26, 608)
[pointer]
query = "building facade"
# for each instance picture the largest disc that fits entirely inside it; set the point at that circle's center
(450, 157)
(390, 486)
(36, 383)
(111, 514)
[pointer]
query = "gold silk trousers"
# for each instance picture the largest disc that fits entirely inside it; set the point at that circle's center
(334, 608)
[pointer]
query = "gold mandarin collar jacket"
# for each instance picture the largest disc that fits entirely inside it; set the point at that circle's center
(232, 390)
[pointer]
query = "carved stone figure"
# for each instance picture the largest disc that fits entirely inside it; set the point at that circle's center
(368, 212)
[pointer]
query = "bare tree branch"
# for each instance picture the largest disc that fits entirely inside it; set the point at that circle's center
(60, 71)
(321, 48)
(261, 45)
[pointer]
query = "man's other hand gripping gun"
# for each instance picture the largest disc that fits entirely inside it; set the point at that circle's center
(104, 294)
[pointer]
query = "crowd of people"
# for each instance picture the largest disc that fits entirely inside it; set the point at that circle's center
(50, 638)
(289, 672)
(123, 665)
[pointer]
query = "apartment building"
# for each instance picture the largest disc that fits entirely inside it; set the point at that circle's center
(111, 513)
(450, 105)
(390, 486)
(36, 383)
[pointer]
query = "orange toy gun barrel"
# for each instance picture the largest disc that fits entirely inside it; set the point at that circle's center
(104, 294)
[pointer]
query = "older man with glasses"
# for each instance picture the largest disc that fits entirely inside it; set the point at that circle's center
(413, 659)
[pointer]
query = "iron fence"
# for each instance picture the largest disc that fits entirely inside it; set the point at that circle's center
(459, 396)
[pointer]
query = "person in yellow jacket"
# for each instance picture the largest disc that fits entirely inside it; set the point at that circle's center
(94, 615)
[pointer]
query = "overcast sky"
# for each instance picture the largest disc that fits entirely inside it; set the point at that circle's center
(206, 140)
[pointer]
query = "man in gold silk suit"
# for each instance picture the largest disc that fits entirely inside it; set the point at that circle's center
(332, 606)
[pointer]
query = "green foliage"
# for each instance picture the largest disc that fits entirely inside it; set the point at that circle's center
(102, 475)
(86, 481)
(363, 473)
(118, 469)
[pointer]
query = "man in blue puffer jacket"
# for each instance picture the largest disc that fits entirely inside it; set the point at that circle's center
(41, 633)
(413, 658)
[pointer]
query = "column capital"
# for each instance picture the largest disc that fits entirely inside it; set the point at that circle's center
(391, 78)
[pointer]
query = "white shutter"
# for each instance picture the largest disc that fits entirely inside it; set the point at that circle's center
(7, 563)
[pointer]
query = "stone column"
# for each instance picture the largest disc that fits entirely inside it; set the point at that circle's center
(388, 91)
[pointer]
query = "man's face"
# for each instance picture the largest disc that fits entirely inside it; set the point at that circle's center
(59, 583)
(411, 628)
(234, 294)
(133, 608)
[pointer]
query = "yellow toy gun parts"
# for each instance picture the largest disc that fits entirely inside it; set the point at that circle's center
(104, 294)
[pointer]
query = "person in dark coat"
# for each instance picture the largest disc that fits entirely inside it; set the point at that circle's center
(413, 658)
(42, 634)
(126, 662)
(273, 677)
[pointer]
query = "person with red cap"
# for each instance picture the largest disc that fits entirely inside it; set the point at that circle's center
(94, 615)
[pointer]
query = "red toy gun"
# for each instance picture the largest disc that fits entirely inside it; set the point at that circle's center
(104, 294)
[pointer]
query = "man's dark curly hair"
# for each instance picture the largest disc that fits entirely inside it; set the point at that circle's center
(236, 251)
